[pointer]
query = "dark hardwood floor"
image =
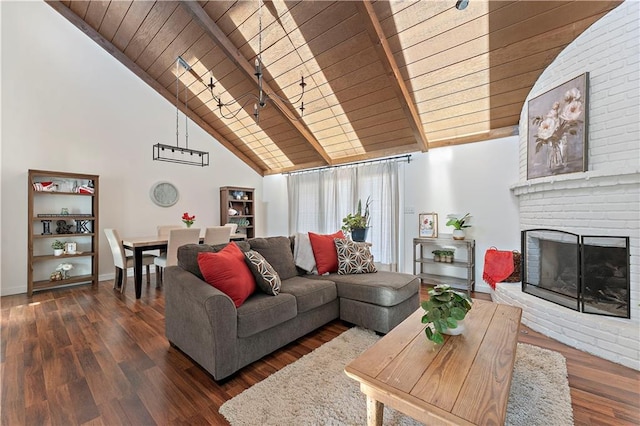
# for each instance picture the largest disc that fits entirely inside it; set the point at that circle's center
(91, 356)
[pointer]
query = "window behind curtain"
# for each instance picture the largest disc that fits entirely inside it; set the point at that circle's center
(319, 199)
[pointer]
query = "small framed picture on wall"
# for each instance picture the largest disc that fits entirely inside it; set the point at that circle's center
(428, 225)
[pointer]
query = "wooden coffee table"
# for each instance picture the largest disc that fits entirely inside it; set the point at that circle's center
(465, 381)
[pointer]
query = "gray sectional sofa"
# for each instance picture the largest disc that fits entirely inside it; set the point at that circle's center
(205, 324)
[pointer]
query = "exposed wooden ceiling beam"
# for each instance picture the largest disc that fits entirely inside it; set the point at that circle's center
(133, 67)
(218, 36)
(498, 133)
(376, 34)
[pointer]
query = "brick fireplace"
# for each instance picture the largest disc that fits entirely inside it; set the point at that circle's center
(602, 201)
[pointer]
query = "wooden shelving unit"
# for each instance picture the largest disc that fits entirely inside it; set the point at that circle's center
(245, 206)
(434, 273)
(47, 206)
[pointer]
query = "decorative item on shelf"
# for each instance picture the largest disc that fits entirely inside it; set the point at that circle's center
(62, 227)
(58, 247)
(64, 268)
(70, 248)
(458, 225)
(188, 220)
(233, 212)
(428, 225)
(237, 195)
(245, 197)
(55, 276)
(436, 255)
(448, 255)
(444, 310)
(444, 256)
(46, 227)
(45, 186)
(64, 211)
(85, 189)
(357, 224)
(82, 226)
(242, 223)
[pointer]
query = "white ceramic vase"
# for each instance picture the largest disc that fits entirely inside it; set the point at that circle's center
(458, 234)
(456, 331)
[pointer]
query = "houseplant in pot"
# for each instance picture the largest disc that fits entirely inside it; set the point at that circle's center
(444, 311)
(458, 224)
(357, 224)
(58, 247)
(448, 255)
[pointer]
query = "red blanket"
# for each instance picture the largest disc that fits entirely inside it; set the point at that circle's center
(498, 265)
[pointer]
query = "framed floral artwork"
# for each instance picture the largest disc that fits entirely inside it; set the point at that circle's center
(428, 225)
(556, 137)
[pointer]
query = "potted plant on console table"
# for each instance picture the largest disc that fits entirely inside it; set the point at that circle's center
(444, 312)
(357, 224)
(458, 225)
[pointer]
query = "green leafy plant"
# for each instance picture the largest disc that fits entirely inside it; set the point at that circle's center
(57, 245)
(443, 310)
(459, 223)
(357, 220)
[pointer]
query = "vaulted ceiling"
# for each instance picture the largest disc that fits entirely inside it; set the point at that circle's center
(383, 77)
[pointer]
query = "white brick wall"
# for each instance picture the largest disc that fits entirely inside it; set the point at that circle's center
(605, 200)
(614, 339)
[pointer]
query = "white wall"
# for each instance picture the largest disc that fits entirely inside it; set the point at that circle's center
(471, 178)
(67, 105)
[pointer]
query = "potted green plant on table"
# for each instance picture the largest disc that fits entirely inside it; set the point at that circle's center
(357, 224)
(444, 311)
(58, 247)
(458, 224)
(448, 255)
(437, 255)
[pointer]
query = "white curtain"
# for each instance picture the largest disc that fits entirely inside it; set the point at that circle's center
(319, 199)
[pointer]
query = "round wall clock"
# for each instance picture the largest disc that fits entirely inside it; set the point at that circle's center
(164, 194)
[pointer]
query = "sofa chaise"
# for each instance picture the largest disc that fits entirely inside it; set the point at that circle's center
(205, 324)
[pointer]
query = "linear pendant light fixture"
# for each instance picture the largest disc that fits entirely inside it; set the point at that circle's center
(178, 154)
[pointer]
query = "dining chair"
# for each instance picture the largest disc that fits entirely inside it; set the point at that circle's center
(233, 226)
(163, 230)
(122, 261)
(217, 235)
(177, 237)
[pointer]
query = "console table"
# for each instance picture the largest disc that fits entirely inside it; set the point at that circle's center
(459, 274)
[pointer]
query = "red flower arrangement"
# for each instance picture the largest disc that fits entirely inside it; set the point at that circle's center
(188, 220)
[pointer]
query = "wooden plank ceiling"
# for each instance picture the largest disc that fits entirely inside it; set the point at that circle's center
(383, 78)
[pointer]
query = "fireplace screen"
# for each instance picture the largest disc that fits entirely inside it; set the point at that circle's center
(588, 273)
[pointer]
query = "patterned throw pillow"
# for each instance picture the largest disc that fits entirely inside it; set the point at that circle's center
(354, 258)
(266, 277)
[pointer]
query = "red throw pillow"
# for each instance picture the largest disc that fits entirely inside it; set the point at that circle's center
(324, 250)
(227, 271)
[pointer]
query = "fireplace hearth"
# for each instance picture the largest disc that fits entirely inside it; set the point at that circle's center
(585, 273)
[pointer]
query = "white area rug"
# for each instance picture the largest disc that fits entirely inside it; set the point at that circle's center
(315, 390)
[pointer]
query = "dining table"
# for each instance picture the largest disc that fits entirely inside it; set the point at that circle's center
(139, 245)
